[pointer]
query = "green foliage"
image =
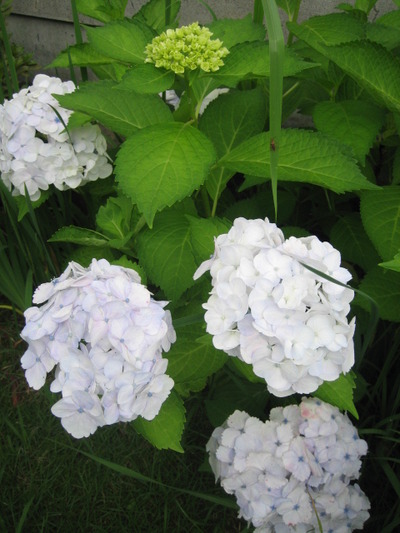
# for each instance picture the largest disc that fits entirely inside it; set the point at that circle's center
(305, 157)
(122, 40)
(162, 164)
(116, 108)
(339, 392)
(165, 430)
(380, 212)
(102, 10)
(182, 177)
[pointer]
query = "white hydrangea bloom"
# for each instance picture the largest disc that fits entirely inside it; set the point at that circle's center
(298, 464)
(272, 312)
(105, 334)
(35, 149)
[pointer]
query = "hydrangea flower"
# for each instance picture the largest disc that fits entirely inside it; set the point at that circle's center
(104, 334)
(35, 149)
(300, 463)
(186, 48)
(270, 311)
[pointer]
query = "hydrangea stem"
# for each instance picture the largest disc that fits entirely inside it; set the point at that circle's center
(276, 54)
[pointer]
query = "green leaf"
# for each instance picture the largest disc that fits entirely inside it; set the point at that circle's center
(127, 263)
(350, 122)
(102, 10)
(81, 55)
(84, 254)
(250, 60)
(230, 393)
(304, 156)
(118, 110)
(147, 79)
(228, 121)
(387, 36)
(23, 207)
(190, 363)
(76, 235)
(202, 234)
(77, 120)
(123, 40)
(288, 6)
(380, 213)
(391, 19)
(373, 67)
(235, 31)
(339, 393)
(384, 287)
(114, 218)
(348, 236)
(165, 430)
(394, 264)
(154, 14)
(166, 253)
(163, 164)
(329, 30)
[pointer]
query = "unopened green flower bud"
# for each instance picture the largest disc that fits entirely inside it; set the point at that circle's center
(188, 47)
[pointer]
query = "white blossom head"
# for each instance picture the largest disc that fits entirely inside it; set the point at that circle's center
(267, 308)
(105, 334)
(35, 149)
(296, 468)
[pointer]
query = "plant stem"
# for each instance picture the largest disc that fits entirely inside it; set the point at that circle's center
(276, 54)
(78, 35)
(294, 19)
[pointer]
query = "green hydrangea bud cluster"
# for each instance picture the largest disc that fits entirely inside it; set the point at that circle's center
(188, 47)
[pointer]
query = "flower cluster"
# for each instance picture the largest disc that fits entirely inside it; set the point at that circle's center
(105, 335)
(274, 313)
(35, 149)
(188, 47)
(293, 468)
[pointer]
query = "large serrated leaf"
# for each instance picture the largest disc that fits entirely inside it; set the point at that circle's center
(372, 66)
(123, 40)
(235, 31)
(380, 213)
(165, 430)
(304, 156)
(163, 164)
(384, 287)
(102, 10)
(228, 121)
(202, 233)
(80, 55)
(166, 253)
(348, 236)
(190, 363)
(147, 79)
(339, 393)
(115, 216)
(82, 236)
(159, 13)
(250, 60)
(350, 122)
(119, 110)
(332, 29)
